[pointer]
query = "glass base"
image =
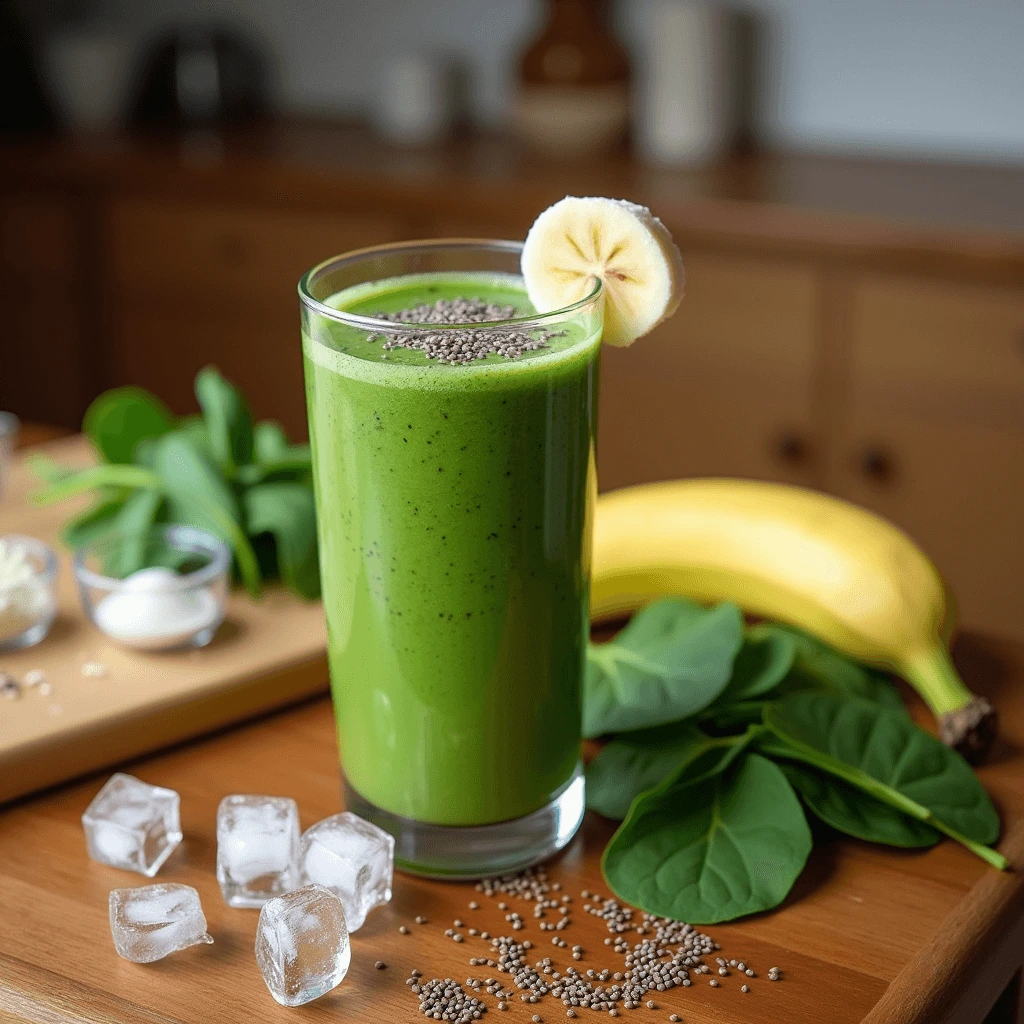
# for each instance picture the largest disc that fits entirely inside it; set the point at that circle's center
(479, 851)
(28, 637)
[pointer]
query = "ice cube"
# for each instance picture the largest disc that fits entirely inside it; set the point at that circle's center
(154, 920)
(257, 848)
(302, 946)
(132, 825)
(353, 859)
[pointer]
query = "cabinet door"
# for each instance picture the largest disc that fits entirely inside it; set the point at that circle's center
(723, 388)
(195, 283)
(45, 372)
(934, 439)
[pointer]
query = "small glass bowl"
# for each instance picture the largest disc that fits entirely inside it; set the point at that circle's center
(161, 590)
(9, 426)
(29, 605)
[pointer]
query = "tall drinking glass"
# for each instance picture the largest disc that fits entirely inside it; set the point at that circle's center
(454, 502)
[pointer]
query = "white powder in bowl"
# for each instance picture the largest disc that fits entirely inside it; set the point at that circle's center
(153, 611)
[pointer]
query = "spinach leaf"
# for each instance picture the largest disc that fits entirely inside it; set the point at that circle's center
(635, 762)
(276, 458)
(819, 666)
(287, 511)
(228, 420)
(883, 753)
(270, 442)
(132, 524)
(295, 467)
(46, 469)
(119, 419)
(729, 845)
(128, 477)
(671, 661)
(730, 716)
(197, 495)
(849, 809)
(95, 521)
(194, 427)
(765, 658)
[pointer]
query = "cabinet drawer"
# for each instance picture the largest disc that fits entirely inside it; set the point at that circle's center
(725, 387)
(957, 489)
(208, 254)
(933, 437)
(940, 349)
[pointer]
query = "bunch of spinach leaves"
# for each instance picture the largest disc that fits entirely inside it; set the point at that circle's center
(242, 481)
(724, 735)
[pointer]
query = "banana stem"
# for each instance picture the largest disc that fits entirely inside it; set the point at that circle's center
(935, 678)
(966, 722)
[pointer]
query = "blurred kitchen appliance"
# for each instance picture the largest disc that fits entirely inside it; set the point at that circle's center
(25, 107)
(688, 108)
(573, 90)
(89, 71)
(198, 77)
(415, 101)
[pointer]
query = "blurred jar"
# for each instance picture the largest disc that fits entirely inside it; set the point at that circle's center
(9, 426)
(573, 90)
(687, 110)
(89, 71)
(415, 101)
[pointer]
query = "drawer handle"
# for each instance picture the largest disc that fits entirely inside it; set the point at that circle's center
(792, 448)
(877, 464)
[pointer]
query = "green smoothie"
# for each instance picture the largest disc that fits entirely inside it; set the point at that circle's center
(454, 506)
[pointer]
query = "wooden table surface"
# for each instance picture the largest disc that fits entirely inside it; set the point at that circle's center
(869, 933)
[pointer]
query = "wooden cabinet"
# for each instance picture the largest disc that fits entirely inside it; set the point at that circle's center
(806, 350)
(726, 387)
(45, 372)
(934, 432)
(195, 283)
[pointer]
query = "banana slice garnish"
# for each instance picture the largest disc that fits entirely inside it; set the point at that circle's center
(625, 245)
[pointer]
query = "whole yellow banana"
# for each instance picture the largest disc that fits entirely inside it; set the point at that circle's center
(835, 570)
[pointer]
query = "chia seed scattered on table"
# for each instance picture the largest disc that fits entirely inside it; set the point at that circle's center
(669, 954)
(462, 346)
(446, 1000)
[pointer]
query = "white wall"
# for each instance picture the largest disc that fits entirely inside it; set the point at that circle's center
(931, 77)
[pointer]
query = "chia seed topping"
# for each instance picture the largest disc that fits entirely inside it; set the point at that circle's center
(464, 346)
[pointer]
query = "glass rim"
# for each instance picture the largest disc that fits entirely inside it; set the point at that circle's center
(176, 534)
(369, 323)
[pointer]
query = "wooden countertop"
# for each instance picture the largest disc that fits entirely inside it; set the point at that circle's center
(869, 933)
(919, 214)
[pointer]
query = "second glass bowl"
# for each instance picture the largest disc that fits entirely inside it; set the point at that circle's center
(161, 590)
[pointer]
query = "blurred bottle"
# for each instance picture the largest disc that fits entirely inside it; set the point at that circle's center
(573, 92)
(415, 103)
(688, 108)
(202, 77)
(89, 69)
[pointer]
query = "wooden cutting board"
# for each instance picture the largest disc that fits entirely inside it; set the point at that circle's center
(268, 653)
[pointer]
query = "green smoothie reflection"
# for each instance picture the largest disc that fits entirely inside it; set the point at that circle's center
(454, 514)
